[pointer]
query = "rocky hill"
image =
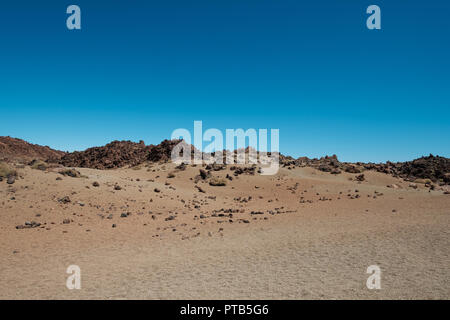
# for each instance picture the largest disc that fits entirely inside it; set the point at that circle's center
(15, 149)
(116, 154)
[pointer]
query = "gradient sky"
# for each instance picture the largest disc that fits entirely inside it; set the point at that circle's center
(140, 69)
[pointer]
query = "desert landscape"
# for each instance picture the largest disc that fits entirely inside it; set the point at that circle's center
(142, 227)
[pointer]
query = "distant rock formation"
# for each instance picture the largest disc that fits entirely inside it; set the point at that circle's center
(118, 154)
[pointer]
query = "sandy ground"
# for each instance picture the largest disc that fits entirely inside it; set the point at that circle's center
(315, 238)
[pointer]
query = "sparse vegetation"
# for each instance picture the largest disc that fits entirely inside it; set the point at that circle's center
(6, 170)
(39, 165)
(71, 173)
(215, 181)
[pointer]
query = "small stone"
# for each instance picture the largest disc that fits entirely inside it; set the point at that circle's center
(203, 174)
(200, 189)
(28, 225)
(11, 180)
(64, 200)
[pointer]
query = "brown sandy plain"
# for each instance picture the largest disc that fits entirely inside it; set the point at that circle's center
(315, 238)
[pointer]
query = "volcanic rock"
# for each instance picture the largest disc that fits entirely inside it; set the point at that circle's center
(15, 149)
(116, 154)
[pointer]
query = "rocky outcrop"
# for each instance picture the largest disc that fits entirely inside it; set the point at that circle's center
(435, 168)
(116, 154)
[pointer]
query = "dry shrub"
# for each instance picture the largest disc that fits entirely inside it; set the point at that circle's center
(6, 170)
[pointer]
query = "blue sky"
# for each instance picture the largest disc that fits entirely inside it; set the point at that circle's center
(140, 69)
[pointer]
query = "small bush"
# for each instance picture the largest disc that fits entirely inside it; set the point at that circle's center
(71, 173)
(6, 170)
(217, 182)
(38, 165)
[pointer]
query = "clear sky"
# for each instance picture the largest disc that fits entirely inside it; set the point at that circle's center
(140, 69)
